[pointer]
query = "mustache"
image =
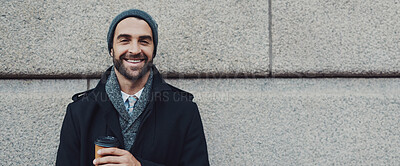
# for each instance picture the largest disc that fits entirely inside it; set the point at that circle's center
(133, 56)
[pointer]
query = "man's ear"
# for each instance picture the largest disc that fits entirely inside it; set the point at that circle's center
(111, 52)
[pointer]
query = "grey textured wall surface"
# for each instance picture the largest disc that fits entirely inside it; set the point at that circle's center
(31, 114)
(299, 121)
(248, 121)
(336, 38)
(47, 39)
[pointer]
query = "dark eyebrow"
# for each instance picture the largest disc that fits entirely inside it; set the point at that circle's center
(123, 36)
(146, 37)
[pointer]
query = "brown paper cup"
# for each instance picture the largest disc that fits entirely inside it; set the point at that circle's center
(104, 142)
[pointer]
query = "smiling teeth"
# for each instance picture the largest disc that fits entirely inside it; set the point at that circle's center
(134, 61)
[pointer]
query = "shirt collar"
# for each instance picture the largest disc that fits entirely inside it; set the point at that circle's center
(137, 94)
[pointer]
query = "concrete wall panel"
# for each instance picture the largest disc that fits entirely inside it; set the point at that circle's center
(31, 114)
(336, 38)
(299, 121)
(68, 38)
(246, 121)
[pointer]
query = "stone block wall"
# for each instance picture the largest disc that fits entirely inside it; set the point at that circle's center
(277, 82)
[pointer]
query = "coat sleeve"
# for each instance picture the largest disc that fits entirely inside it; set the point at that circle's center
(68, 149)
(195, 147)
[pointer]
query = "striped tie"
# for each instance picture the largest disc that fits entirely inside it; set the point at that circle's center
(131, 102)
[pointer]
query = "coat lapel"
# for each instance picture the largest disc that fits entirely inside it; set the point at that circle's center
(110, 114)
(112, 121)
(159, 84)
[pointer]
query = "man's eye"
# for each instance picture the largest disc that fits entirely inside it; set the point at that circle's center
(144, 41)
(123, 40)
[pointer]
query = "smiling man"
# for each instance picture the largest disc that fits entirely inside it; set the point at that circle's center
(154, 122)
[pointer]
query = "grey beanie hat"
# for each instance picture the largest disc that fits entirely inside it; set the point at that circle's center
(133, 13)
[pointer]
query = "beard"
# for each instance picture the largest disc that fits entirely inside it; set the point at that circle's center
(132, 73)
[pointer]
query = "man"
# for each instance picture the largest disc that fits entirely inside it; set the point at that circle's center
(154, 122)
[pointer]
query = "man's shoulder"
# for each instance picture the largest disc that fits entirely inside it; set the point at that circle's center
(181, 94)
(85, 98)
(178, 102)
(84, 102)
(81, 95)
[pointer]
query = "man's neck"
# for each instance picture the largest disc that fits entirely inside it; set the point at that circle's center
(131, 86)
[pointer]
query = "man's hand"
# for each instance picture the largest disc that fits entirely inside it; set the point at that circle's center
(115, 156)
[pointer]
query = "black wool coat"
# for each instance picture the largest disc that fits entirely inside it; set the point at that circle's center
(171, 132)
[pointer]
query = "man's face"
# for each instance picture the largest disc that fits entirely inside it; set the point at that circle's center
(133, 48)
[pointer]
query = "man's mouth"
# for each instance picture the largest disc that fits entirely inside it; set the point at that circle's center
(134, 60)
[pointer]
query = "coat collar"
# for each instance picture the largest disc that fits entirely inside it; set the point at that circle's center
(110, 113)
(159, 84)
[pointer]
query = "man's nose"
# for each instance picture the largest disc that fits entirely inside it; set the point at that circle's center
(134, 48)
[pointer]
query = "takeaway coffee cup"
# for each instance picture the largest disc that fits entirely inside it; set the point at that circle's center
(104, 142)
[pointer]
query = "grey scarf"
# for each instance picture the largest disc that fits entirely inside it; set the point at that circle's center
(129, 124)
